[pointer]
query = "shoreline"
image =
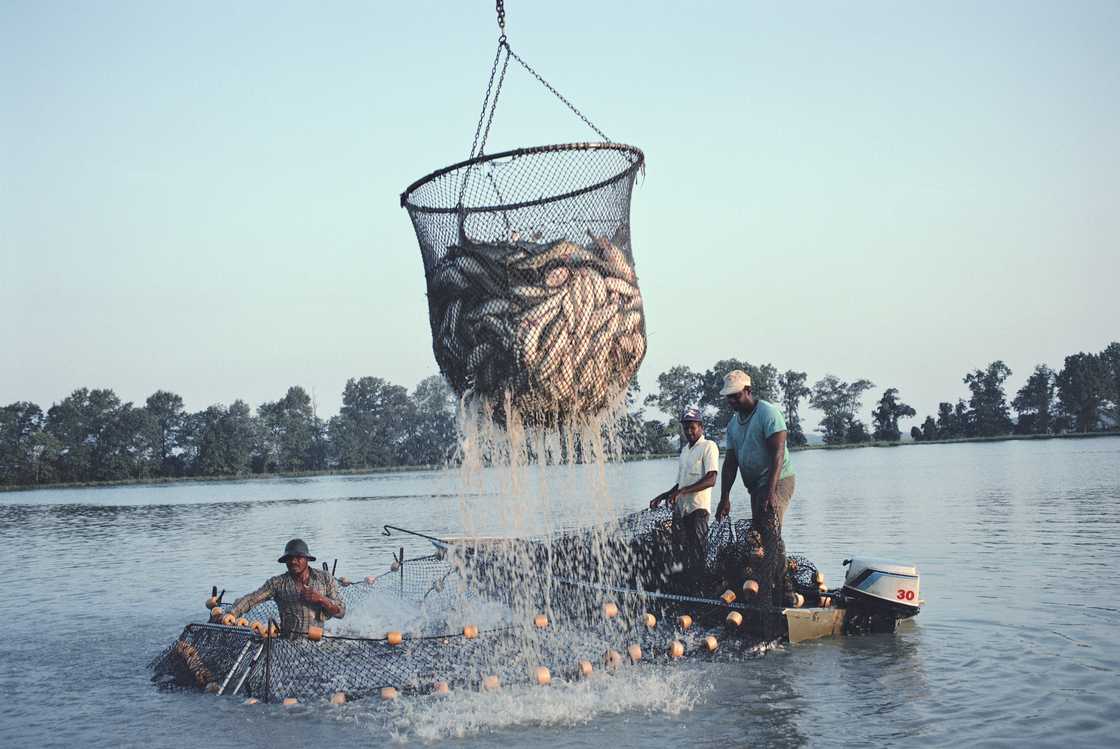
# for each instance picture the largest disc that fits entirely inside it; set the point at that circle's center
(161, 480)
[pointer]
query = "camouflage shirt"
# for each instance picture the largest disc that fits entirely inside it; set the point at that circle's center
(295, 614)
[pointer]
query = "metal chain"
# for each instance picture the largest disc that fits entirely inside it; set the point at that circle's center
(486, 99)
(478, 144)
(494, 103)
(556, 93)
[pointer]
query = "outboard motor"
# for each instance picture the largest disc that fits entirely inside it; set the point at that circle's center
(878, 593)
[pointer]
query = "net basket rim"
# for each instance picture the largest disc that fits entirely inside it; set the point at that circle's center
(638, 159)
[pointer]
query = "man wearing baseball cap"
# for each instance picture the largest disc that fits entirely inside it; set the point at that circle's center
(756, 449)
(305, 596)
(691, 496)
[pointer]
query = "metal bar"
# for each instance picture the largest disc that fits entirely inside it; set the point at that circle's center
(268, 664)
(400, 563)
(233, 669)
(249, 671)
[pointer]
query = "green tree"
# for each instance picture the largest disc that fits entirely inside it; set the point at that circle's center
(220, 441)
(431, 433)
(1081, 389)
(1034, 403)
(947, 426)
(21, 423)
(291, 432)
(887, 414)
(963, 418)
(840, 401)
(168, 420)
(764, 385)
(677, 389)
(929, 429)
(369, 429)
(1110, 360)
(99, 438)
(793, 389)
(988, 404)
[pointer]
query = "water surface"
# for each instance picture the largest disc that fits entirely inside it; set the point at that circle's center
(1018, 643)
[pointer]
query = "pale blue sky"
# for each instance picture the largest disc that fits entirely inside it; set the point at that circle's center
(205, 199)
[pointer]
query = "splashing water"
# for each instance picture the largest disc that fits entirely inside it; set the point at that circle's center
(662, 689)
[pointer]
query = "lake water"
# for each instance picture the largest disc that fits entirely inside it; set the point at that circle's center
(1018, 644)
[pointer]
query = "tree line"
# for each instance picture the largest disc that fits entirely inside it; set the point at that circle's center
(91, 435)
(1084, 396)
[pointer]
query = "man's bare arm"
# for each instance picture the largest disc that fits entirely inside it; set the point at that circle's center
(776, 445)
(727, 481)
(707, 481)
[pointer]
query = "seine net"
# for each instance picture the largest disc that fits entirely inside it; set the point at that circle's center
(237, 660)
(532, 290)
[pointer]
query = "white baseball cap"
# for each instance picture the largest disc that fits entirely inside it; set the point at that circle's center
(734, 381)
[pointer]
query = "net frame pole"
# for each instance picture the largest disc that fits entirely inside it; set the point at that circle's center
(268, 663)
(234, 667)
(248, 671)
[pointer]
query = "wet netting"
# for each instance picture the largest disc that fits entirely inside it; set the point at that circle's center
(533, 297)
(579, 625)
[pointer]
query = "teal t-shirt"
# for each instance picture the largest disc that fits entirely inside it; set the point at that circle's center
(748, 440)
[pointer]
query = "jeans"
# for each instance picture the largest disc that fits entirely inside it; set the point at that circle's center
(771, 569)
(690, 547)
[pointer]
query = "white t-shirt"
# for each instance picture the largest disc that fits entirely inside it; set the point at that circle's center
(695, 462)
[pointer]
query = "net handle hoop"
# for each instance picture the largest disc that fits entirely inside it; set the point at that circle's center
(635, 152)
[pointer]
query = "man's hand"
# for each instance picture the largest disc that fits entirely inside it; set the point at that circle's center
(771, 501)
(724, 508)
(669, 498)
(310, 596)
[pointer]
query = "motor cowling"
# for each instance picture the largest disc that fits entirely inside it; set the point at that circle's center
(883, 585)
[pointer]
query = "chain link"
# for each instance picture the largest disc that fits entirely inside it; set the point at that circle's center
(500, 7)
(557, 94)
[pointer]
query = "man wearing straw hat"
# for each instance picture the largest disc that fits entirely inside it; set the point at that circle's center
(756, 449)
(691, 496)
(306, 597)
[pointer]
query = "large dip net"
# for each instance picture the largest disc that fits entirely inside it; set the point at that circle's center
(470, 631)
(533, 296)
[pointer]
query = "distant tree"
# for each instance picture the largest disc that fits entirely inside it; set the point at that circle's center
(887, 414)
(98, 437)
(793, 390)
(677, 389)
(840, 401)
(659, 437)
(764, 386)
(929, 430)
(1110, 360)
(221, 441)
(291, 432)
(964, 420)
(1081, 388)
(988, 404)
(430, 434)
(947, 426)
(916, 432)
(369, 431)
(168, 420)
(1034, 403)
(21, 423)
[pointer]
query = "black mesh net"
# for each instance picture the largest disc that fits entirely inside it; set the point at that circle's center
(532, 291)
(239, 660)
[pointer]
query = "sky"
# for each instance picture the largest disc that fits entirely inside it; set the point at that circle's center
(204, 197)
